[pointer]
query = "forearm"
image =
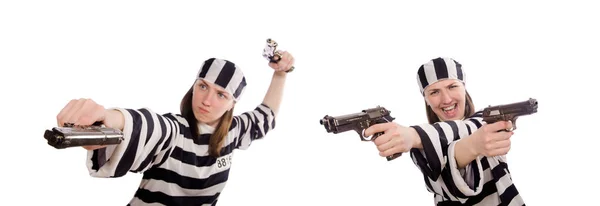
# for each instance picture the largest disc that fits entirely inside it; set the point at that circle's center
(147, 136)
(464, 153)
(275, 92)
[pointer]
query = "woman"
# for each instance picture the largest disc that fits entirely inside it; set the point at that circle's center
(185, 158)
(461, 157)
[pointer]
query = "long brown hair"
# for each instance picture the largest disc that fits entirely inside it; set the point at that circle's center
(469, 110)
(217, 138)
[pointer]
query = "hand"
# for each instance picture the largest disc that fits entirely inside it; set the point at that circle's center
(396, 138)
(284, 64)
(82, 112)
(490, 141)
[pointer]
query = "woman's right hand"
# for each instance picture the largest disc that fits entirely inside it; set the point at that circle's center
(82, 112)
(490, 141)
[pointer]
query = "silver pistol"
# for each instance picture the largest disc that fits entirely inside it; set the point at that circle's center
(271, 53)
(72, 136)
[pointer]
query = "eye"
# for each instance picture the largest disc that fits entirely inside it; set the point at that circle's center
(222, 95)
(433, 92)
(202, 86)
(453, 86)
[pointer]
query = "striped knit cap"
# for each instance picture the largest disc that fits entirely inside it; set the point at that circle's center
(439, 69)
(225, 74)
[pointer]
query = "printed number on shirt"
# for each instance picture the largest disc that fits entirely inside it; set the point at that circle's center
(223, 162)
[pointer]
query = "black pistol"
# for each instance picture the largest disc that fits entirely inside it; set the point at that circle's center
(72, 136)
(359, 122)
(510, 112)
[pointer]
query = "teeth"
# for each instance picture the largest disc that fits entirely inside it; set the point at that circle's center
(449, 108)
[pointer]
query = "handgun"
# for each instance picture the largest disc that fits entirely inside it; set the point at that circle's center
(359, 122)
(510, 112)
(270, 53)
(71, 135)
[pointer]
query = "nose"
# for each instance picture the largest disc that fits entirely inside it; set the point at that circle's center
(208, 99)
(446, 97)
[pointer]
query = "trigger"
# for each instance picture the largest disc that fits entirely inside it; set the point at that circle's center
(362, 135)
(513, 124)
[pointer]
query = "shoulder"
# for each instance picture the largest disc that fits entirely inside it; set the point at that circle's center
(177, 118)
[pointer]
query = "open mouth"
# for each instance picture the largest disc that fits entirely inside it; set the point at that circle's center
(451, 110)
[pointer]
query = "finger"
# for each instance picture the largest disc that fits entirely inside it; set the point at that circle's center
(60, 118)
(385, 137)
(73, 114)
(392, 151)
(280, 61)
(290, 62)
(285, 60)
(501, 151)
(93, 147)
(376, 128)
(273, 65)
(86, 113)
(94, 113)
(386, 145)
(498, 136)
(501, 144)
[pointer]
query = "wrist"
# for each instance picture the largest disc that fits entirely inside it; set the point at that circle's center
(279, 74)
(113, 119)
(469, 146)
(416, 138)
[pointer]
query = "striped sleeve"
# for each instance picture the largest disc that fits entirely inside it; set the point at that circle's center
(253, 125)
(437, 159)
(148, 138)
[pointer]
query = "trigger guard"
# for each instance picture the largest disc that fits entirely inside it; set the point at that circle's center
(363, 137)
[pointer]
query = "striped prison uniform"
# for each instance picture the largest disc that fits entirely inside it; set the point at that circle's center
(176, 166)
(485, 181)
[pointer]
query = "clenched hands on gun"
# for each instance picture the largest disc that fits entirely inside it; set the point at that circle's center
(76, 116)
(393, 139)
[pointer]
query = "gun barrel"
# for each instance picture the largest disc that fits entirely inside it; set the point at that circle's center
(519, 108)
(71, 136)
(510, 112)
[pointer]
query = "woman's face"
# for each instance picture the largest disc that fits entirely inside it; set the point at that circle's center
(210, 102)
(447, 99)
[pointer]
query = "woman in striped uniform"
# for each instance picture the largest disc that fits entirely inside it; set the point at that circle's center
(461, 157)
(185, 158)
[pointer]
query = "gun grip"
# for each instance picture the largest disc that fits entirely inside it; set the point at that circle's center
(394, 156)
(391, 157)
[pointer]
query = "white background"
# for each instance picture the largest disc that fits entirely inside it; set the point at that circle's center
(349, 56)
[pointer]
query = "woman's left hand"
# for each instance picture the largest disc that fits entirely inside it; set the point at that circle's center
(284, 64)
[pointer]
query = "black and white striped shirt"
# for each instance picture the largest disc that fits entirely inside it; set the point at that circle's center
(176, 167)
(485, 181)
